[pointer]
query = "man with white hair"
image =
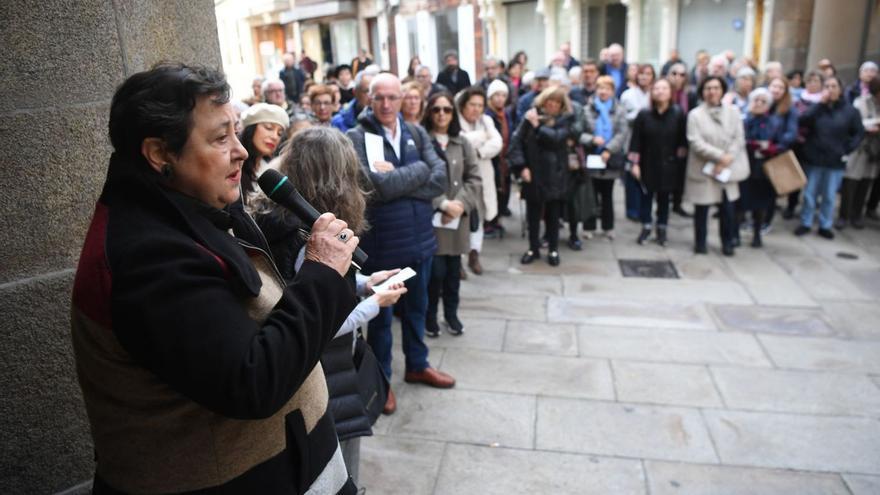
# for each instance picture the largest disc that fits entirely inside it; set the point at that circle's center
(495, 73)
(867, 71)
(406, 175)
(273, 93)
(423, 77)
(347, 117)
(615, 67)
(718, 67)
(772, 70)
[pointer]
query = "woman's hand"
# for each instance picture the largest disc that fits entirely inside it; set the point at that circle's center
(526, 175)
(606, 155)
(532, 117)
(725, 160)
(388, 297)
(454, 208)
(378, 277)
(636, 171)
(383, 167)
(598, 141)
(331, 243)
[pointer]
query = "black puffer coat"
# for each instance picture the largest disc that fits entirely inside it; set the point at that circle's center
(544, 151)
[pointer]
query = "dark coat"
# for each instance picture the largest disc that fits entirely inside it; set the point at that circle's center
(833, 131)
(656, 138)
(544, 152)
(399, 209)
(620, 88)
(294, 79)
(454, 78)
(183, 340)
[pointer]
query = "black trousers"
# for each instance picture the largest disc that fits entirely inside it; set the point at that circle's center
(551, 211)
(853, 195)
(874, 198)
(647, 203)
(725, 222)
(604, 189)
(445, 281)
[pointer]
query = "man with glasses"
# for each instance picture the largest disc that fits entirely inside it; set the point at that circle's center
(423, 77)
(273, 93)
(406, 175)
(589, 76)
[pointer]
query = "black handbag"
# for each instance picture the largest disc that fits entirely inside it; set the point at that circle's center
(373, 385)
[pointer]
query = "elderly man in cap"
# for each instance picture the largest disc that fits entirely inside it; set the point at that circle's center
(540, 83)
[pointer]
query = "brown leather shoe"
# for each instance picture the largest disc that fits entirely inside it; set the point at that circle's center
(390, 403)
(430, 376)
(474, 262)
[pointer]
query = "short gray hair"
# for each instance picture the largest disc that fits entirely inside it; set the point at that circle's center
(382, 77)
(268, 81)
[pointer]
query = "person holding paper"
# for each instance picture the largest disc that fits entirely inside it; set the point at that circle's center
(604, 132)
(717, 144)
(462, 196)
(404, 178)
(539, 155)
(864, 165)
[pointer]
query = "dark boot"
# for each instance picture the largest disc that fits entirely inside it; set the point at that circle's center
(643, 235)
(474, 262)
(661, 235)
(756, 225)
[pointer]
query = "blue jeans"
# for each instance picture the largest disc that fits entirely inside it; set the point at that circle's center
(822, 182)
(414, 307)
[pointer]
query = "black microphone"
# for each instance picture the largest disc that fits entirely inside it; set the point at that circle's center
(279, 189)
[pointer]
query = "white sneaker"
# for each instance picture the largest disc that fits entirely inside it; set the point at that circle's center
(609, 234)
(588, 234)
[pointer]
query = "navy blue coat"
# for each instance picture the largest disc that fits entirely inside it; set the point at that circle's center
(833, 131)
(399, 209)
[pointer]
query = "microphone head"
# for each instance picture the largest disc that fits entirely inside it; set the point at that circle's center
(274, 184)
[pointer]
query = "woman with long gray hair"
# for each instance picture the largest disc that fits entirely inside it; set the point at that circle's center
(323, 166)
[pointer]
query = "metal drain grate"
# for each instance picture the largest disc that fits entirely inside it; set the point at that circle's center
(648, 269)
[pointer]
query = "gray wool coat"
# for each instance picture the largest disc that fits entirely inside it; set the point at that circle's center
(710, 137)
(465, 185)
(585, 126)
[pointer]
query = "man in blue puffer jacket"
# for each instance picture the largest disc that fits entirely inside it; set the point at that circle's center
(405, 179)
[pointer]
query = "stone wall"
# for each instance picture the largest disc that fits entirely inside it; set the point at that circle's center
(790, 41)
(62, 63)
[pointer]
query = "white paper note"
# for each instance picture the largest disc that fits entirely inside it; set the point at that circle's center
(375, 146)
(595, 162)
(438, 222)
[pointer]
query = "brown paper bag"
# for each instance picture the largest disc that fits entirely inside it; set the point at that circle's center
(785, 173)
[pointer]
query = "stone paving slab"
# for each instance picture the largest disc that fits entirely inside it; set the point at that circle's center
(666, 478)
(602, 428)
(863, 485)
(656, 290)
(764, 319)
(665, 384)
(465, 416)
(676, 346)
(622, 312)
(508, 307)
(692, 267)
(479, 333)
(812, 443)
(399, 466)
(820, 279)
(469, 469)
(505, 284)
(857, 320)
(530, 374)
(533, 337)
(571, 263)
(798, 391)
(823, 354)
(766, 281)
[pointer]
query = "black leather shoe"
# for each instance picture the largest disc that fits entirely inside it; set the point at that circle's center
(456, 328)
(661, 236)
(553, 258)
(574, 243)
(432, 329)
(680, 212)
(643, 235)
(727, 250)
(529, 257)
(826, 233)
(701, 249)
(801, 230)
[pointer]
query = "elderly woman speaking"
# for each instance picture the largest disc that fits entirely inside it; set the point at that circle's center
(198, 364)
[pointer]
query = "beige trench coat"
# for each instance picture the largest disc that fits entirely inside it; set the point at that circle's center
(860, 166)
(487, 142)
(710, 137)
(465, 186)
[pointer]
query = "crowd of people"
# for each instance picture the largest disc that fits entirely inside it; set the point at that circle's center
(417, 173)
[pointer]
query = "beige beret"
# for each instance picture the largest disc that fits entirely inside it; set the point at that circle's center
(265, 112)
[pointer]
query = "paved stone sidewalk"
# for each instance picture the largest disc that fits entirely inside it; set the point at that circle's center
(758, 374)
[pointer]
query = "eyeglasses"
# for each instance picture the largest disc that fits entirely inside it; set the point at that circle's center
(274, 91)
(390, 99)
(322, 103)
(676, 73)
(441, 109)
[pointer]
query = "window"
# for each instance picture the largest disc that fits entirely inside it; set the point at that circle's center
(412, 31)
(446, 24)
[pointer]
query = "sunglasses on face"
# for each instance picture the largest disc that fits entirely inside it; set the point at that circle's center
(437, 110)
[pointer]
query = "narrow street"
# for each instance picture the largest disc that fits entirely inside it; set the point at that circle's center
(757, 374)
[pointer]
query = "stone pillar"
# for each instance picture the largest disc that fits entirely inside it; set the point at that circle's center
(790, 38)
(63, 62)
